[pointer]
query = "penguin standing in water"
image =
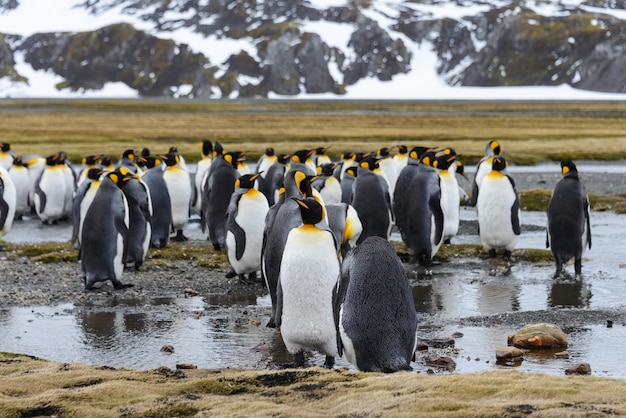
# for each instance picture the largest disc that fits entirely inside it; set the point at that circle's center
(446, 166)
(377, 320)
(83, 198)
(104, 234)
(309, 273)
(19, 174)
(569, 228)
(216, 193)
(498, 211)
(484, 166)
(140, 219)
(371, 201)
(178, 185)
(8, 198)
(244, 228)
(161, 206)
(49, 196)
(203, 166)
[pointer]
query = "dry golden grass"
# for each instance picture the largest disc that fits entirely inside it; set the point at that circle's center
(33, 387)
(529, 131)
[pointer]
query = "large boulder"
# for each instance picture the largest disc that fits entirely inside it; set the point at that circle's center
(542, 335)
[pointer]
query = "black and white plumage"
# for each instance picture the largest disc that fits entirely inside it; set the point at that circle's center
(569, 227)
(498, 211)
(307, 287)
(377, 321)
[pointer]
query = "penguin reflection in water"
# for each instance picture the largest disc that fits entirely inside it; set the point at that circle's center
(569, 228)
(498, 211)
(306, 289)
(104, 234)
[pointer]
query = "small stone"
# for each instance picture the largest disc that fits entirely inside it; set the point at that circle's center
(541, 335)
(509, 353)
(191, 292)
(255, 322)
(580, 368)
(262, 348)
(167, 348)
(457, 335)
(561, 355)
(441, 362)
(186, 366)
(437, 342)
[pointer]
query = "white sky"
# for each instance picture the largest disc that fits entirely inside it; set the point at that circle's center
(421, 83)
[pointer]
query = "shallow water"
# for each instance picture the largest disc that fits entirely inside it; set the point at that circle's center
(225, 331)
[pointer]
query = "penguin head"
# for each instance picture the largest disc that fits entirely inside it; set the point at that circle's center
(460, 169)
(428, 157)
(321, 150)
(94, 173)
(145, 152)
(130, 154)
(301, 156)
(105, 161)
(218, 149)
(5, 147)
(170, 159)
(443, 162)
(311, 210)
(62, 157)
(247, 181)
(304, 185)
(173, 150)
(567, 167)
(116, 177)
(370, 163)
(447, 152)
(52, 160)
(499, 163)
(17, 161)
(383, 152)
(492, 148)
(360, 156)
(91, 159)
(345, 156)
(206, 148)
(352, 171)
(416, 153)
(269, 151)
(326, 169)
(283, 158)
(402, 149)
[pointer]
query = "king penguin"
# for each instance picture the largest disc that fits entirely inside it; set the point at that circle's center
(446, 166)
(206, 152)
(70, 183)
(498, 211)
(483, 167)
(19, 174)
(6, 155)
(104, 234)
(161, 206)
(266, 161)
(569, 228)
(140, 219)
(377, 320)
(49, 196)
(8, 198)
(82, 200)
(422, 217)
(282, 217)
(245, 221)
(89, 162)
(371, 200)
(178, 185)
(309, 273)
(328, 184)
(216, 193)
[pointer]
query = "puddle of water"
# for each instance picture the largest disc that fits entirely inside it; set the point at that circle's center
(223, 331)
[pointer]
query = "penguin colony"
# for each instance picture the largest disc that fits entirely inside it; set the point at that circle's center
(316, 230)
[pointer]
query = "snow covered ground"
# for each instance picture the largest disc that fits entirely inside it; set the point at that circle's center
(421, 83)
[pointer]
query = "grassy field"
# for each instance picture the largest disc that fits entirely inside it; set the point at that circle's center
(33, 387)
(529, 132)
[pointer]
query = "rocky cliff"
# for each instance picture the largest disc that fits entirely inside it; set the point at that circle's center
(501, 43)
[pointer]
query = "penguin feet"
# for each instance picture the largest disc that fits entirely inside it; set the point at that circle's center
(490, 254)
(217, 247)
(507, 255)
(180, 237)
(247, 281)
(231, 273)
(271, 323)
(447, 242)
(329, 362)
(298, 359)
